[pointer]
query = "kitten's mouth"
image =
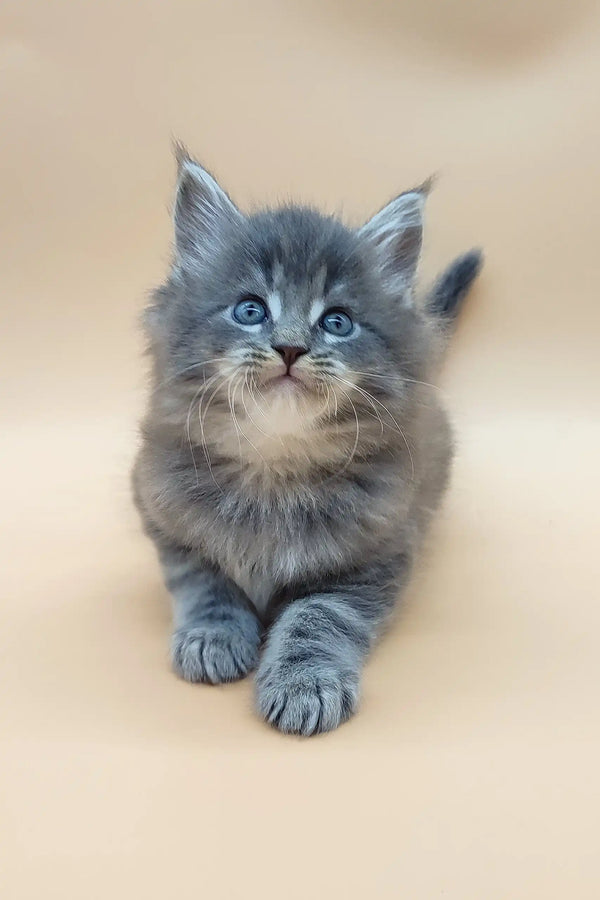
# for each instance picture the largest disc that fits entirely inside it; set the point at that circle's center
(287, 378)
(287, 381)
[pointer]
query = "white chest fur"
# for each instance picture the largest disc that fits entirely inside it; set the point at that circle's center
(257, 586)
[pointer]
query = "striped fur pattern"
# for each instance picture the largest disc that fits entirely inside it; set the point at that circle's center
(286, 500)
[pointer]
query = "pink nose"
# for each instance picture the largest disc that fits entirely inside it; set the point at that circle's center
(290, 354)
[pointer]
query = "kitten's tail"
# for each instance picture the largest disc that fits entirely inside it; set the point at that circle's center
(448, 293)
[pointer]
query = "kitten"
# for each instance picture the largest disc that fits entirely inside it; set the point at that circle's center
(293, 451)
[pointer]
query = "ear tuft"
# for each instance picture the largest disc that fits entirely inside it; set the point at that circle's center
(181, 153)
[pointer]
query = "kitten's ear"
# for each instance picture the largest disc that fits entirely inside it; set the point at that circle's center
(202, 209)
(396, 232)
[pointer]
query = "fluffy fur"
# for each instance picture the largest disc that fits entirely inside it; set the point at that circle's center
(287, 511)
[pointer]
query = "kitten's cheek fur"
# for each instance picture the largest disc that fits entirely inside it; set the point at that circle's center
(306, 699)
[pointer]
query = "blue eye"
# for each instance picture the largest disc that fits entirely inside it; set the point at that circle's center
(337, 322)
(250, 311)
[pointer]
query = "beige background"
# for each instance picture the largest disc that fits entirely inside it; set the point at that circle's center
(471, 772)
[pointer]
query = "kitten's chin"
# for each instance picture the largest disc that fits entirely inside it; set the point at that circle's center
(287, 406)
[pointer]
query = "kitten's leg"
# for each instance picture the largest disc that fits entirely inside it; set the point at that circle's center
(309, 675)
(217, 633)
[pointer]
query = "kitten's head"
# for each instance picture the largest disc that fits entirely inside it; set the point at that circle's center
(289, 315)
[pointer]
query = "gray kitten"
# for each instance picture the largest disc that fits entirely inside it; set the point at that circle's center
(292, 452)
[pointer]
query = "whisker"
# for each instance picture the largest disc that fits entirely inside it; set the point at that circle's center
(355, 446)
(394, 378)
(177, 375)
(249, 417)
(253, 385)
(370, 397)
(335, 414)
(238, 426)
(188, 432)
(233, 416)
(323, 387)
(370, 400)
(201, 419)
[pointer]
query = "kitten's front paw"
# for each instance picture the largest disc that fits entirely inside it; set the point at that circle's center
(214, 653)
(307, 698)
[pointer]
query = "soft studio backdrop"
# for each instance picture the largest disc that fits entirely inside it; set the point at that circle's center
(471, 771)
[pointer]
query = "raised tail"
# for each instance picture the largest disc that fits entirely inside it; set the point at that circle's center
(448, 293)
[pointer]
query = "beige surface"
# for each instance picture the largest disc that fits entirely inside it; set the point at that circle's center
(472, 770)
